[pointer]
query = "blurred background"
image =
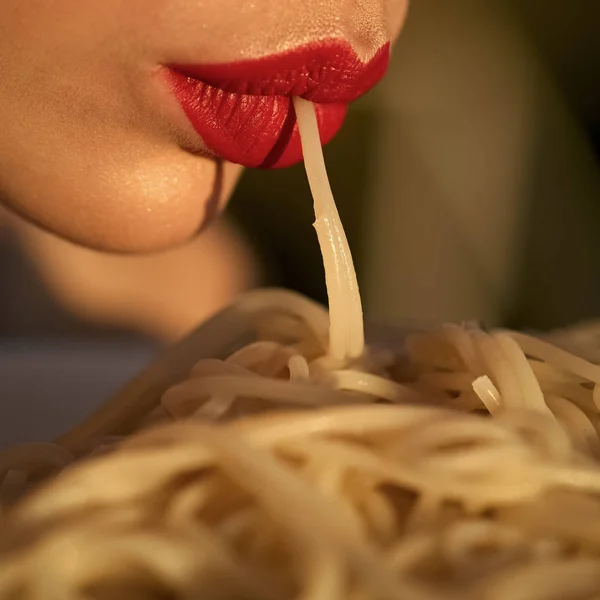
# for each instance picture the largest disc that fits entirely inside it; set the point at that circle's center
(468, 181)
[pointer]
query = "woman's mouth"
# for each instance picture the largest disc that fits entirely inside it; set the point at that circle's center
(244, 113)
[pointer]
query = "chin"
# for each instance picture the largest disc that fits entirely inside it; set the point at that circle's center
(150, 208)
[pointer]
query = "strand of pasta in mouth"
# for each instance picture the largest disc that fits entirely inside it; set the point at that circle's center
(346, 331)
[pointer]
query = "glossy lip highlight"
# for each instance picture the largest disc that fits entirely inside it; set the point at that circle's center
(244, 113)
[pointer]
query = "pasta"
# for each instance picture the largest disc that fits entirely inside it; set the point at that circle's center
(304, 464)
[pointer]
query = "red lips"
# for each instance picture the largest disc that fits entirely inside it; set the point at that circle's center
(243, 111)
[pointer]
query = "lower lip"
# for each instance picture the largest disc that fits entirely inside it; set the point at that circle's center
(261, 130)
(254, 131)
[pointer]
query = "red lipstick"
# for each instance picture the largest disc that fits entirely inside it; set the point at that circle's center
(244, 113)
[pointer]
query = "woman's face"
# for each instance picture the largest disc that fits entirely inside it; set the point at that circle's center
(121, 121)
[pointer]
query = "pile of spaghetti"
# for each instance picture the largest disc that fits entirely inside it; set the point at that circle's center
(306, 465)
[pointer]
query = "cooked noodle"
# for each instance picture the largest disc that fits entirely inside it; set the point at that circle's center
(302, 464)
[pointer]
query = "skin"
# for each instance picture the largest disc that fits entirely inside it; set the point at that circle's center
(153, 294)
(97, 157)
(94, 147)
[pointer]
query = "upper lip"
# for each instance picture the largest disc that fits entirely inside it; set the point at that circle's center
(323, 72)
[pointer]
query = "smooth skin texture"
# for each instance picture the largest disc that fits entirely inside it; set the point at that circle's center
(92, 144)
(95, 149)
